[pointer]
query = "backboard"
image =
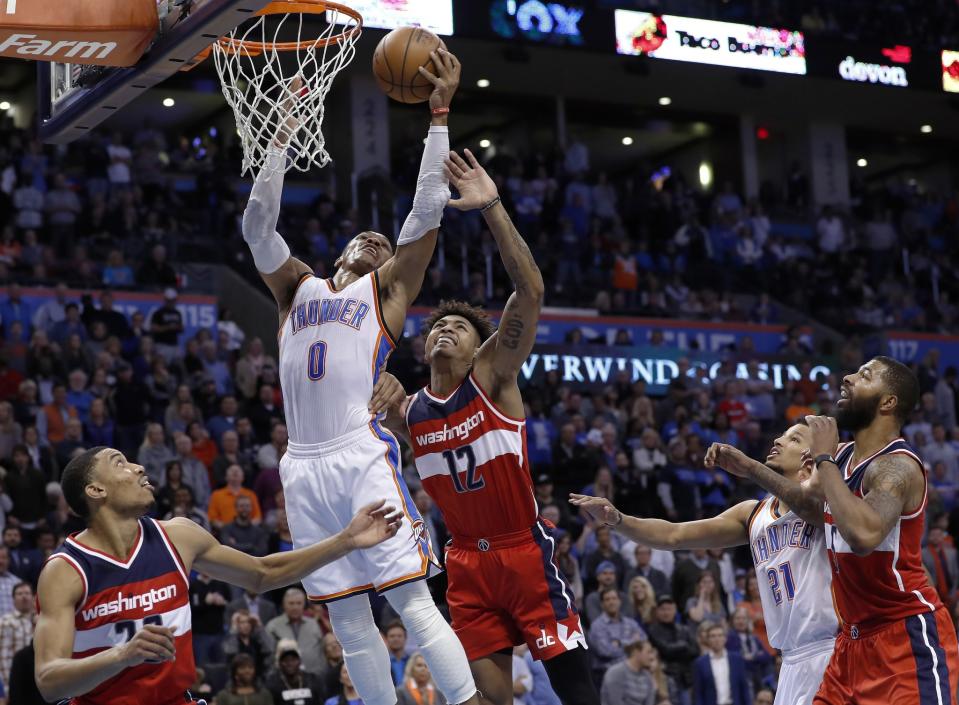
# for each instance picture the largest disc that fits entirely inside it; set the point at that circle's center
(73, 99)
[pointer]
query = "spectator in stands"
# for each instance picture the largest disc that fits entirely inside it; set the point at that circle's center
(204, 449)
(939, 558)
(675, 643)
(208, 599)
(225, 420)
(348, 694)
(98, 429)
(606, 578)
(154, 454)
(8, 582)
(55, 415)
(604, 553)
(130, 407)
(115, 322)
(52, 311)
(250, 366)
(610, 632)
(831, 231)
(264, 413)
(417, 686)
(940, 450)
(15, 309)
(71, 324)
(754, 607)
(289, 682)
(184, 506)
(643, 556)
(764, 696)
(943, 488)
(568, 565)
(705, 603)
(16, 627)
(117, 273)
(741, 640)
(640, 601)
(305, 632)
(166, 325)
(243, 688)
(27, 489)
(223, 501)
(11, 432)
(630, 682)
(194, 473)
(25, 562)
(247, 636)
(242, 533)
(41, 456)
(719, 675)
(945, 391)
(688, 571)
(268, 457)
(573, 465)
(216, 369)
(395, 637)
(230, 456)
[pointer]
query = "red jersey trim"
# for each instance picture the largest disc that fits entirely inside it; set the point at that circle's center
(428, 392)
(495, 409)
(181, 566)
(849, 473)
(106, 556)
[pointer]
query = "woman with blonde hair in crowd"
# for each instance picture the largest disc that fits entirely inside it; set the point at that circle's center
(640, 600)
(568, 565)
(667, 691)
(418, 687)
(705, 605)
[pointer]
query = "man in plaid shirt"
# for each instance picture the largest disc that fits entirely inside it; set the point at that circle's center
(16, 628)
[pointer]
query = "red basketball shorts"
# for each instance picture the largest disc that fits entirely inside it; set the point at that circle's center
(914, 661)
(506, 590)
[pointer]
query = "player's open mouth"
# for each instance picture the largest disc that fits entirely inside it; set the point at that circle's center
(145, 483)
(445, 339)
(843, 397)
(371, 249)
(774, 452)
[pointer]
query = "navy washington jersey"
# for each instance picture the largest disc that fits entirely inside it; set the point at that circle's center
(119, 596)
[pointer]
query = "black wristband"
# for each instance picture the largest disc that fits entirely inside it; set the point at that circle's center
(490, 204)
(825, 458)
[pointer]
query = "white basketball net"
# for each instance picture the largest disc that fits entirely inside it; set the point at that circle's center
(257, 87)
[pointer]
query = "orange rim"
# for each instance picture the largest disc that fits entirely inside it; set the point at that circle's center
(305, 7)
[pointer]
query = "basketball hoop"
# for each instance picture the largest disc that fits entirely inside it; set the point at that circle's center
(256, 79)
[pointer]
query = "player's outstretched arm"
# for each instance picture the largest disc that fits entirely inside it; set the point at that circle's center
(372, 524)
(803, 498)
(60, 676)
(891, 485)
(723, 531)
(390, 397)
(271, 255)
(402, 276)
(505, 352)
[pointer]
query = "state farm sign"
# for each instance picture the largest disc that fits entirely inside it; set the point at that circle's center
(710, 42)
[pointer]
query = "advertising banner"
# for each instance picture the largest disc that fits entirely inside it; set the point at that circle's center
(679, 334)
(710, 42)
(562, 24)
(950, 71)
(911, 347)
(892, 65)
(434, 15)
(198, 311)
(594, 367)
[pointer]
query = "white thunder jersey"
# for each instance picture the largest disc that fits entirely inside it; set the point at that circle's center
(332, 348)
(792, 568)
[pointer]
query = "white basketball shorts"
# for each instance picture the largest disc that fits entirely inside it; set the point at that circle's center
(325, 484)
(801, 673)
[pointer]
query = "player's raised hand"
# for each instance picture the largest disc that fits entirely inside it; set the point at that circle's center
(599, 508)
(373, 524)
(825, 435)
(448, 68)
(388, 393)
(290, 123)
(729, 458)
(152, 644)
(476, 187)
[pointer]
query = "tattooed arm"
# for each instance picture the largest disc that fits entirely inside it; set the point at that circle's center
(890, 486)
(499, 361)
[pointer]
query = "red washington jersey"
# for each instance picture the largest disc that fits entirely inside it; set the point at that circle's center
(890, 583)
(149, 587)
(473, 462)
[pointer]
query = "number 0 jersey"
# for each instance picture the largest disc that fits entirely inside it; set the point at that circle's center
(149, 587)
(473, 462)
(792, 570)
(890, 583)
(332, 348)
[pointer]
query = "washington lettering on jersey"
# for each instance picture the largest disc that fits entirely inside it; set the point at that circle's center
(448, 433)
(316, 312)
(777, 537)
(147, 601)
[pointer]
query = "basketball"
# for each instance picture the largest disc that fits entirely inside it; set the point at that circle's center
(397, 58)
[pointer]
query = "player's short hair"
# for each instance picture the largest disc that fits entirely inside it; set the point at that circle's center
(13, 593)
(634, 646)
(76, 476)
(477, 317)
(605, 591)
(395, 624)
(903, 384)
(238, 662)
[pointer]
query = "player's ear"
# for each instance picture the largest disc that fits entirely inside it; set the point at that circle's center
(95, 491)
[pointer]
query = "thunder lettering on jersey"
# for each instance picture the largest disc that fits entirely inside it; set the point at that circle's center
(333, 346)
(890, 583)
(473, 461)
(149, 587)
(792, 571)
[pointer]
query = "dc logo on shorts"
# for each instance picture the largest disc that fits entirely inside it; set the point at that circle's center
(544, 640)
